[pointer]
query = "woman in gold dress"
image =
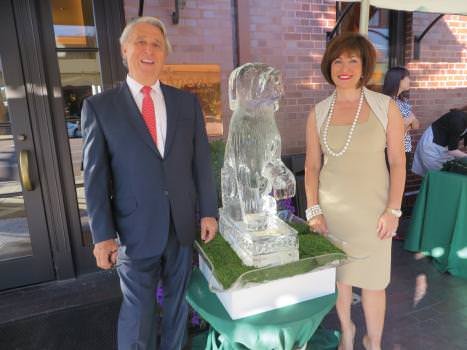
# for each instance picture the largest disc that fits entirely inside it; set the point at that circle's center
(351, 196)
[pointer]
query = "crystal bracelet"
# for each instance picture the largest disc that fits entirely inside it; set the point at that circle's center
(313, 211)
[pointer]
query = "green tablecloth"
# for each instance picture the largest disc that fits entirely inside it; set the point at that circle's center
(439, 222)
(281, 329)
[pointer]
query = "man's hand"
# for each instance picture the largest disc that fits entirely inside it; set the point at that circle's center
(106, 253)
(208, 229)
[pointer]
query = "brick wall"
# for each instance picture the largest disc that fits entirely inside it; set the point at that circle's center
(290, 35)
(203, 35)
(439, 76)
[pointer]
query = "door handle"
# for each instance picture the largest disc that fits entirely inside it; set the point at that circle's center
(24, 170)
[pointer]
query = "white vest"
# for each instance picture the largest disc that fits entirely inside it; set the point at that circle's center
(379, 104)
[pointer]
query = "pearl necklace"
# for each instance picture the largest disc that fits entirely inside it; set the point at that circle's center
(352, 128)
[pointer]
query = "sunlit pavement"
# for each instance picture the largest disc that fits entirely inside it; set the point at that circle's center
(425, 309)
(82, 313)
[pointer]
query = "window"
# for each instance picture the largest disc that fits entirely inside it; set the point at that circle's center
(15, 240)
(204, 80)
(385, 31)
(80, 76)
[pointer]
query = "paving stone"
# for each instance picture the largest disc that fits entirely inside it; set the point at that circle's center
(437, 322)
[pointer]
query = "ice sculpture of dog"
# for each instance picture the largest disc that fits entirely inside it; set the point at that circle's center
(253, 168)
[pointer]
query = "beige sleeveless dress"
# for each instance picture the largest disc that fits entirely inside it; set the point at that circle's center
(353, 192)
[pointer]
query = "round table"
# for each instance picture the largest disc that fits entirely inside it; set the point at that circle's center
(286, 328)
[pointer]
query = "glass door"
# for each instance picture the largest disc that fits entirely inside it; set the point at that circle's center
(87, 61)
(25, 253)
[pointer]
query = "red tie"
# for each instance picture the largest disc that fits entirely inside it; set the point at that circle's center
(149, 114)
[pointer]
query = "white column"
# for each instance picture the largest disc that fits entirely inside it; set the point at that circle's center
(364, 16)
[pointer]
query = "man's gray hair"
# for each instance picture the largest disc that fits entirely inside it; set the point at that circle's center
(150, 20)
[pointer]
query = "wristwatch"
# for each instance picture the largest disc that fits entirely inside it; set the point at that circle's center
(396, 212)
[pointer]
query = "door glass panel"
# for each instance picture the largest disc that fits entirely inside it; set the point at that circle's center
(378, 34)
(78, 59)
(15, 241)
(74, 23)
(79, 68)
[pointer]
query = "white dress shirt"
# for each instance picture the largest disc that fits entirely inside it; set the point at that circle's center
(159, 108)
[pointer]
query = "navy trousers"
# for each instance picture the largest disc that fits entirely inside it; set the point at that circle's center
(138, 323)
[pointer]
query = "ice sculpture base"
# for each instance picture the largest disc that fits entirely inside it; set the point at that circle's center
(275, 294)
(276, 245)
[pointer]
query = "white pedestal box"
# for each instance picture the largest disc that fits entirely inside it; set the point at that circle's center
(275, 294)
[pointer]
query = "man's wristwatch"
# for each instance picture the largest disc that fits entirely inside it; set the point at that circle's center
(396, 212)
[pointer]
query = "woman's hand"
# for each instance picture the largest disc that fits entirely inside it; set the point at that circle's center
(412, 122)
(387, 226)
(318, 224)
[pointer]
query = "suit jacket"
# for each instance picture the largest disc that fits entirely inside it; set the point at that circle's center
(131, 191)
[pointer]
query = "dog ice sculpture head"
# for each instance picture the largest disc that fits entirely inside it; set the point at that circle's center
(255, 84)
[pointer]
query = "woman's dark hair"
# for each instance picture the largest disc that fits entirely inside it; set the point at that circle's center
(392, 81)
(462, 109)
(350, 42)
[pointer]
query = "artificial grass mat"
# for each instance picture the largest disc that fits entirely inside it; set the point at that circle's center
(314, 251)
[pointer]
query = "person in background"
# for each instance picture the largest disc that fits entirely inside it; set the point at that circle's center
(440, 142)
(351, 195)
(146, 169)
(396, 85)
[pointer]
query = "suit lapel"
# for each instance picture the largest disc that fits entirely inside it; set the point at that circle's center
(171, 107)
(130, 110)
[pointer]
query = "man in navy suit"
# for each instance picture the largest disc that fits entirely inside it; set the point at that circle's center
(147, 168)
